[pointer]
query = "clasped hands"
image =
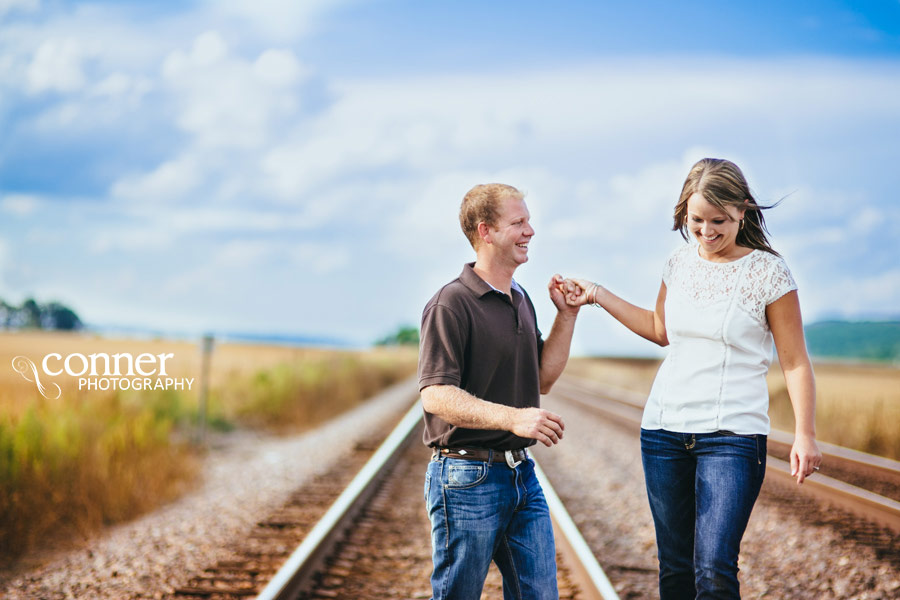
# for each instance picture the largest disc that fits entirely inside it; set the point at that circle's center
(572, 291)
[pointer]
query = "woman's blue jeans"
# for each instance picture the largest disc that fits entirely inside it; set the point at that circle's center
(701, 489)
(484, 511)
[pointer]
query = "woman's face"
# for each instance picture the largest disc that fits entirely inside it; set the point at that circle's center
(714, 229)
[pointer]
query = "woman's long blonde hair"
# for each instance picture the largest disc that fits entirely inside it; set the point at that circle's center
(723, 184)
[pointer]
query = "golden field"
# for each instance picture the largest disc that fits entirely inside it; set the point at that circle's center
(857, 405)
(72, 464)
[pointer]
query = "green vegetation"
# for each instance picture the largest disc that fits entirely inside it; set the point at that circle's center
(406, 335)
(32, 315)
(866, 340)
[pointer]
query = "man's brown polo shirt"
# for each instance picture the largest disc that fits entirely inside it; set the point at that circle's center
(476, 338)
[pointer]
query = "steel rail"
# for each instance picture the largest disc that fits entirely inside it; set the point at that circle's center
(297, 572)
(584, 569)
(623, 407)
(856, 500)
(854, 460)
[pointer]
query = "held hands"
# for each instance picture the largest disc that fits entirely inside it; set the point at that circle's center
(538, 424)
(805, 457)
(560, 289)
(578, 292)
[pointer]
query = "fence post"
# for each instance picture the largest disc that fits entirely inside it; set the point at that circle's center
(204, 387)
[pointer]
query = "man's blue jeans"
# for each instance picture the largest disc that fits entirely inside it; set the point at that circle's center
(701, 489)
(483, 511)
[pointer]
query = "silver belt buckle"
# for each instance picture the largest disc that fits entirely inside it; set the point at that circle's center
(509, 460)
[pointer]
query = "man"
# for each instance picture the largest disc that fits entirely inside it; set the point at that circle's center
(482, 367)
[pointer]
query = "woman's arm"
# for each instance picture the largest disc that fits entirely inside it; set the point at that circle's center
(649, 324)
(787, 329)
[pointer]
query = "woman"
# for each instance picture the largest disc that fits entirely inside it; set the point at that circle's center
(721, 303)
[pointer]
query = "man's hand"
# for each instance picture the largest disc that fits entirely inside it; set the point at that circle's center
(538, 424)
(559, 292)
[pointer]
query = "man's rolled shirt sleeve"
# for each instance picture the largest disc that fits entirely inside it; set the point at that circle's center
(442, 347)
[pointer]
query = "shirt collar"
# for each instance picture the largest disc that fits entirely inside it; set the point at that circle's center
(479, 286)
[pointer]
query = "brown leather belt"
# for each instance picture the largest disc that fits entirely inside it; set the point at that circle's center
(510, 457)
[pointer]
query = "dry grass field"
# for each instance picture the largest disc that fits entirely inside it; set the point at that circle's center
(857, 406)
(90, 457)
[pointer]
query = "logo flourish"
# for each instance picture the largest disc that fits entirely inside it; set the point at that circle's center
(24, 366)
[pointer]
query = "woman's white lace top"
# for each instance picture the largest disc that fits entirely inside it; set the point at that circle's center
(720, 345)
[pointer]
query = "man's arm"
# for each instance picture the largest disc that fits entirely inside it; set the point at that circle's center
(555, 353)
(458, 407)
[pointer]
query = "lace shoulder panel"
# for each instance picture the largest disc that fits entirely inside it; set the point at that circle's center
(779, 280)
(767, 279)
(674, 262)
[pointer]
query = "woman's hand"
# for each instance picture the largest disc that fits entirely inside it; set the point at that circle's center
(805, 457)
(578, 292)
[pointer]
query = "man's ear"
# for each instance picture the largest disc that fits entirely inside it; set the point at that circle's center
(484, 232)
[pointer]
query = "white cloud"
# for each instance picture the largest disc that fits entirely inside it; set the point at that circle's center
(4, 262)
(867, 220)
(131, 240)
(20, 205)
(8, 6)
(57, 66)
(172, 180)
(278, 68)
(245, 253)
(274, 19)
(123, 86)
(229, 106)
(320, 258)
(859, 295)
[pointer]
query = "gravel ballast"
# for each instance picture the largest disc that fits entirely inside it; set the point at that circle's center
(786, 554)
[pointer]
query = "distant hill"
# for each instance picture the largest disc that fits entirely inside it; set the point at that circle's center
(855, 340)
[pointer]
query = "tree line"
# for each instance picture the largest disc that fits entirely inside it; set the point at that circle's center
(31, 315)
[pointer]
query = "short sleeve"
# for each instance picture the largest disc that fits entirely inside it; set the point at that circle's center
(669, 267)
(780, 281)
(442, 347)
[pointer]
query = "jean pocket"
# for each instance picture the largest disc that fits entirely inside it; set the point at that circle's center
(461, 476)
(427, 483)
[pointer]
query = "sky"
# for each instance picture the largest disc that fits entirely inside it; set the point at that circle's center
(296, 168)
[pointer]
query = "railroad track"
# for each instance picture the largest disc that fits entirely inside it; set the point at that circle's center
(369, 550)
(372, 541)
(361, 532)
(861, 484)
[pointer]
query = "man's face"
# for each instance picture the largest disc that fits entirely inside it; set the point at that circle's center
(512, 232)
